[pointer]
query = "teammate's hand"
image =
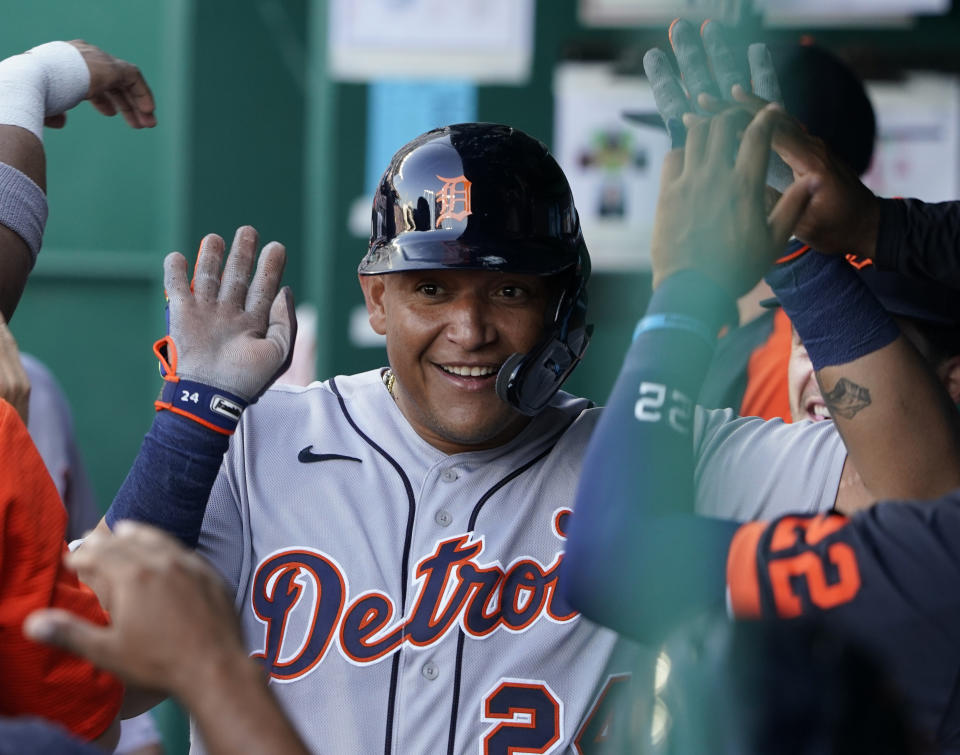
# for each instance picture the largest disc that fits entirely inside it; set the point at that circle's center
(171, 619)
(711, 212)
(14, 383)
(230, 332)
(115, 86)
(710, 70)
(844, 215)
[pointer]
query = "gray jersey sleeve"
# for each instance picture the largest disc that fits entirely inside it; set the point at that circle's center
(748, 468)
(222, 532)
(51, 428)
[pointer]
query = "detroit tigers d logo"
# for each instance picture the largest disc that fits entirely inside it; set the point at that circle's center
(455, 193)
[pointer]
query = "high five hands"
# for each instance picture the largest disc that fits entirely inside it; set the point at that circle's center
(711, 214)
(843, 216)
(230, 331)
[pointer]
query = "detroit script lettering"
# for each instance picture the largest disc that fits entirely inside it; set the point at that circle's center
(453, 588)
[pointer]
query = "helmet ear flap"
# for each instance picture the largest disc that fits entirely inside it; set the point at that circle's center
(528, 381)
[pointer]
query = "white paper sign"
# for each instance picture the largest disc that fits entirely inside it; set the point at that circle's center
(918, 144)
(481, 40)
(613, 166)
(627, 12)
(859, 12)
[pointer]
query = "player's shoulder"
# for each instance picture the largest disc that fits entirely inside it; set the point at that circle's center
(572, 418)
(298, 411)
(36, 370)
(718, 426)
(282, 397)
(938, 520)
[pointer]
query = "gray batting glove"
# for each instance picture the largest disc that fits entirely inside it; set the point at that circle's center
(696, 57)
(229, 332)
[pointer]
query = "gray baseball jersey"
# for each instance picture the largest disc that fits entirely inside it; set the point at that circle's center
(404, 600)
(748, 468)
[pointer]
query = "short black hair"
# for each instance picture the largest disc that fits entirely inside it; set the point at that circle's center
(824, 94)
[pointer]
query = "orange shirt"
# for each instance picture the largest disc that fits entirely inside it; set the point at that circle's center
(766, 394)
(36, 679)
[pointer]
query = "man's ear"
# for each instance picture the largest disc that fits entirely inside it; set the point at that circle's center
(949, 374)
(373, 291)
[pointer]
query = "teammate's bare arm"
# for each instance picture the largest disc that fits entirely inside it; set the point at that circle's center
(37, 89)
(23, 151)
(172, 627)
(113, 85)
(901, 431)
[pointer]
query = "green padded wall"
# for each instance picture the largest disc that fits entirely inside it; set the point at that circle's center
(252, 131)
(94, 303)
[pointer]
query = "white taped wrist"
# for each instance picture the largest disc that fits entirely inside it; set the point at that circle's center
(47, 80)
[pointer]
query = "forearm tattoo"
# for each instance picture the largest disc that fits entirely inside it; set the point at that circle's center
(847, 398)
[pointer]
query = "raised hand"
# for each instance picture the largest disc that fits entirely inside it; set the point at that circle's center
(711, 211)
(37, 88)
(228, 331)
(710, 70)
(844, 215)
(115, 86)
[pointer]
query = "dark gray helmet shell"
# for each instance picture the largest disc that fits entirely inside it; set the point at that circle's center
(474, 196)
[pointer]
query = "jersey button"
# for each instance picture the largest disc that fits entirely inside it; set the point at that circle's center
(430, 670)
(449, 475)
(443, 518)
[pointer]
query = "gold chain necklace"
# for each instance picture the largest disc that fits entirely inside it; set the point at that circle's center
(390, 380)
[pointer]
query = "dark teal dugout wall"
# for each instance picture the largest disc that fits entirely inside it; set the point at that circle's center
(229, 83)
(94, 302)
(252, 131)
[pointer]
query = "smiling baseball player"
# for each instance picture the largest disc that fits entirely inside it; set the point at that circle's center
(398, 579)
(393, 538)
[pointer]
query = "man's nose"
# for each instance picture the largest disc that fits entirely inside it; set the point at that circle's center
(470, 326)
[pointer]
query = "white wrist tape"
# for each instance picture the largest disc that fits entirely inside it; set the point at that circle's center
(47, 80)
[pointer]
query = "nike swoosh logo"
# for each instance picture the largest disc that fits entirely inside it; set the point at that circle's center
(306, 456)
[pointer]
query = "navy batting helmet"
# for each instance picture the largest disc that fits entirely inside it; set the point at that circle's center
(481, 196)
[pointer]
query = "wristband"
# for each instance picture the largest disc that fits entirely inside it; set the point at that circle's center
(212, 407)
(669, 321)
(835, 313)
(23, 208)
(46, 80)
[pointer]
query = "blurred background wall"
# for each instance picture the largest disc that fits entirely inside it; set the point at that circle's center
(253, 129)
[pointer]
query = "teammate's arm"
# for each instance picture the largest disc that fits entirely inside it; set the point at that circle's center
(712, 240)
(865, 369)
(23, 152)
(173, 628)
(900, 428)
(37, 88)
(230, 336)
